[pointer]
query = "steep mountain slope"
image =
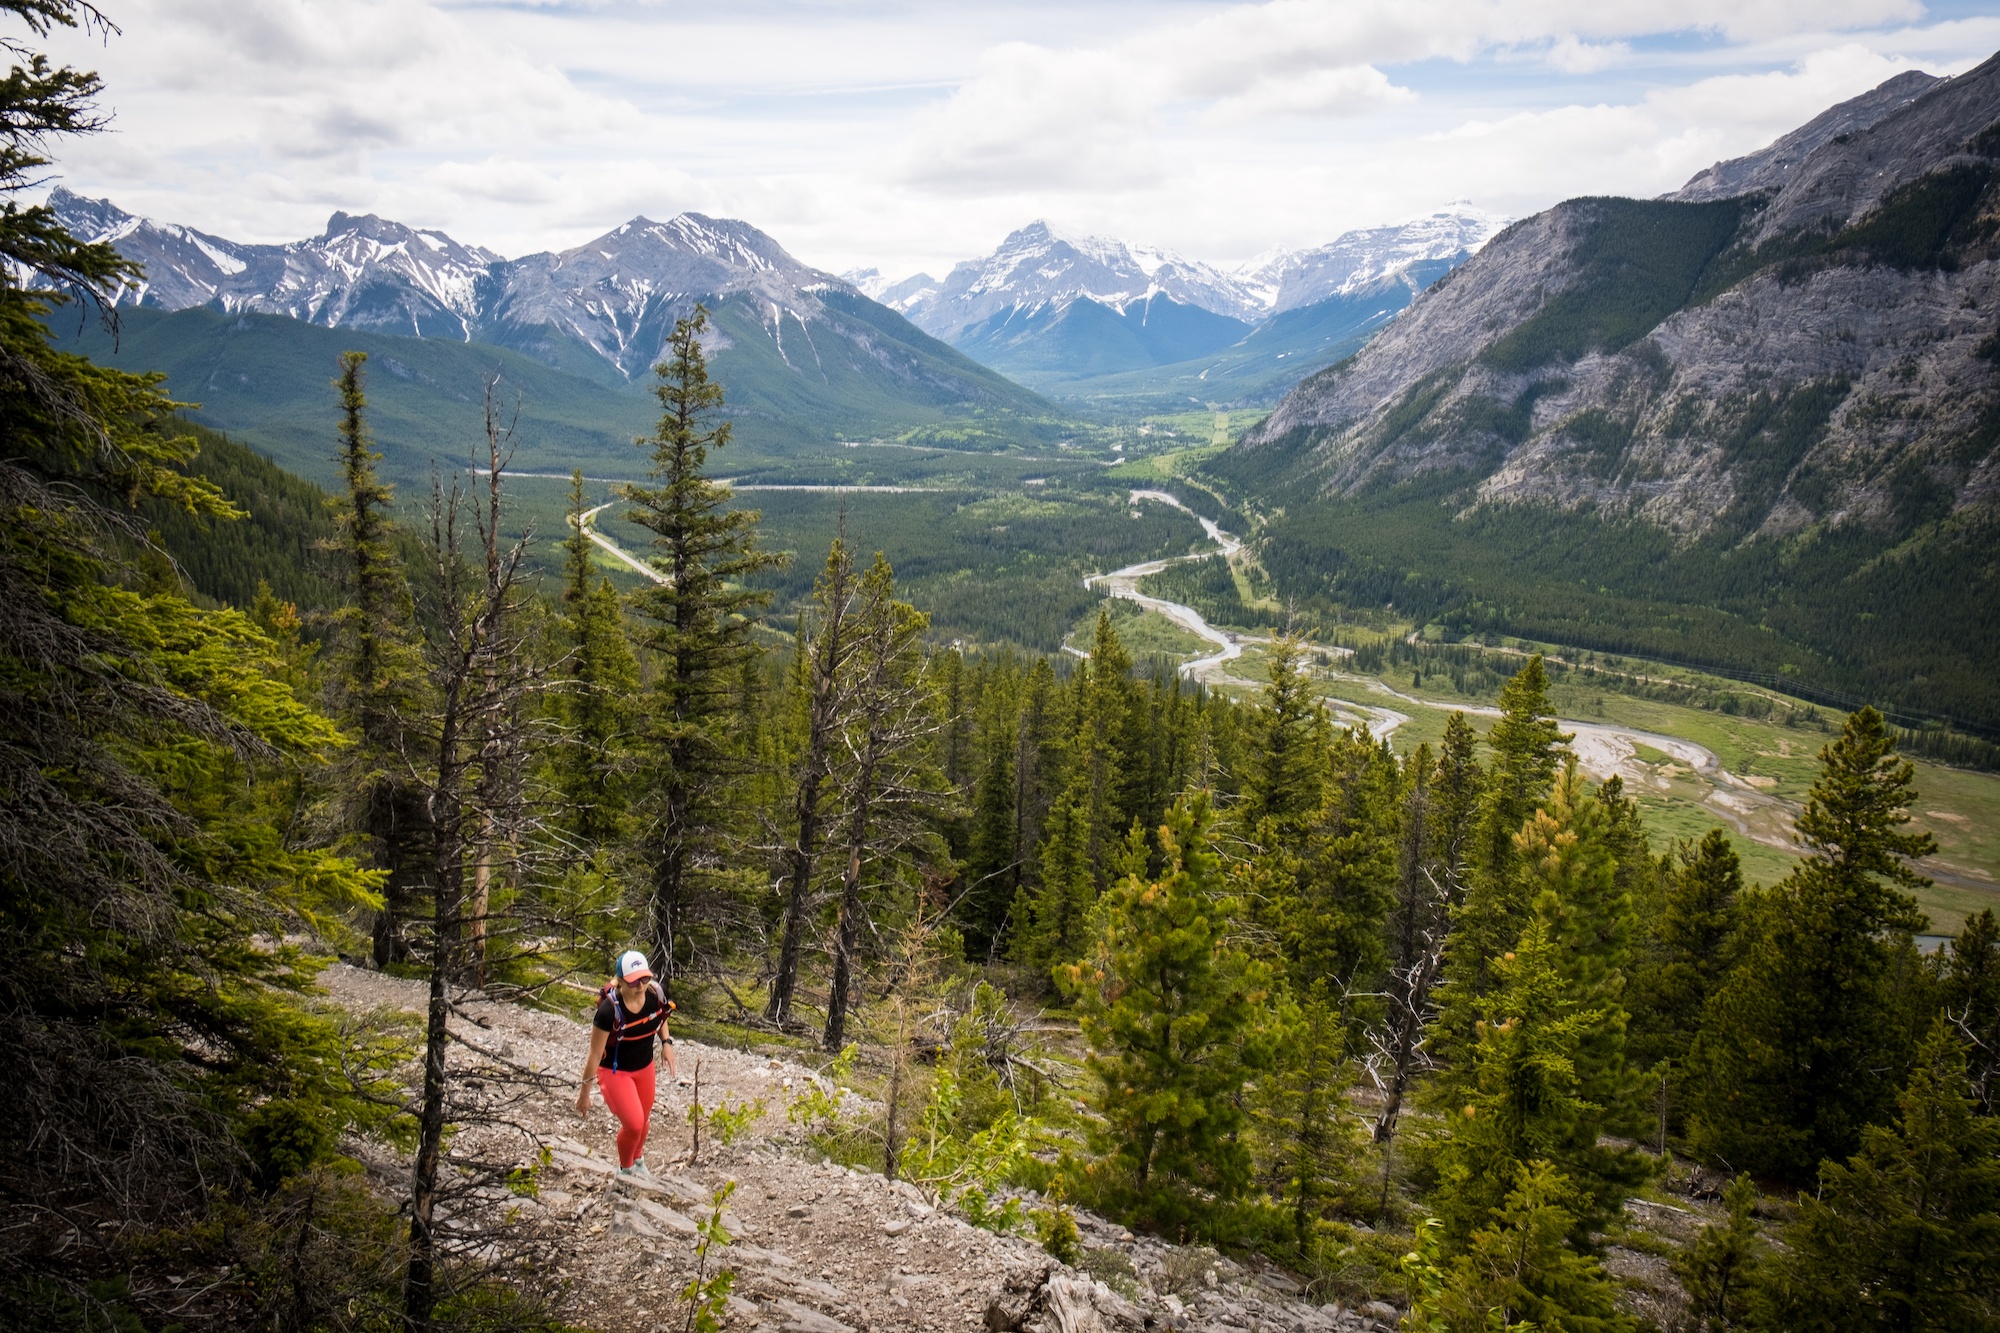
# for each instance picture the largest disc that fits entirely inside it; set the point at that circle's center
(268, 381)
(1791, 386)
(1768, 167)
(801, 354)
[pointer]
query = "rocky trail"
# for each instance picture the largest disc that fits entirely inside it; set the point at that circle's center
(817, 1248)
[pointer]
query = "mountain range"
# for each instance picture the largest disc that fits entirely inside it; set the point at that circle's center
(802, 355)
(1094, 318)
(1777, 386)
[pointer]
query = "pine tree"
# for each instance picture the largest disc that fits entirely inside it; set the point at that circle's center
(698, 630)
(995, 855)
(1305, 1135)
(1525, 745)
(1906, 1234)
(1417, 924)
(1799, 1047)
(1171, 1011)
(1331, 906)
(1520, 1270)
(1719, 1268)
(1455, 794)
(603, 676)
(1516, 1097)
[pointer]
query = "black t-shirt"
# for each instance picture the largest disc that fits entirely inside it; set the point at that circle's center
(633, 1047)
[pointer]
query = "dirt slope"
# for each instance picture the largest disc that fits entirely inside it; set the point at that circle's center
(818, 1248)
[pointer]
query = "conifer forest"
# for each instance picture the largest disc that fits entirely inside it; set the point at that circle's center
(1071, 943)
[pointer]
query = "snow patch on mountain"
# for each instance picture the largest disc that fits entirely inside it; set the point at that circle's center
(1368, 257)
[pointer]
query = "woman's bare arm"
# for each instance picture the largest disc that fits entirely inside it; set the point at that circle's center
(598, 1037)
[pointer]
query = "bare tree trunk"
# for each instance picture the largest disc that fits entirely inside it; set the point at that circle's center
(891, 1143)
(420, 1281)
(848, 930)
(465, 760)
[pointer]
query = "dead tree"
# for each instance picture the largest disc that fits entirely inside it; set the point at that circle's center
(827, 680)
(457, 753)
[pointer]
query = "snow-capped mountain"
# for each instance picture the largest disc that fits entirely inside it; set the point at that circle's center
(1370, 257)
(362, 272)
(1041, 266)
(802, 351)
(1051, 307)
(620, 293)
(612, 299)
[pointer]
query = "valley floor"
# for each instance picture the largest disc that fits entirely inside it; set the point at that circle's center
(1688, 768)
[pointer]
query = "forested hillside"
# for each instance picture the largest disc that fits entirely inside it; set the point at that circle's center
(1753, 431)
(1432, 1034)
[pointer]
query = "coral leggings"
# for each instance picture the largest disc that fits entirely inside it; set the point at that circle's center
(628, 1094)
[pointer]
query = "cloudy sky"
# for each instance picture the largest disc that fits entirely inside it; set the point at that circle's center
(911, 135)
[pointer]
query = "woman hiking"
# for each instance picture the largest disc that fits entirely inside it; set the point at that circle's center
(631, 1011)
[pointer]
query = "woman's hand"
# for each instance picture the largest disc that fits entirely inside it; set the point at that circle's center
(583, 1100)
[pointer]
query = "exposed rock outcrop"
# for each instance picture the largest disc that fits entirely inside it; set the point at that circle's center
(1818, 347)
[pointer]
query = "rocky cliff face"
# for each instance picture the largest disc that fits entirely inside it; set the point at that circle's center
(1806, 336)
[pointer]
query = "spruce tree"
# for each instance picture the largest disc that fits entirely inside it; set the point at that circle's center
(1906, 1234)
(377, 668)
(697, 628)
(1289, 738)
(164, 1068)
(1496, 901)
(1686, 953)
(1799, 1048)
(1171, 1010)
(1052, 913)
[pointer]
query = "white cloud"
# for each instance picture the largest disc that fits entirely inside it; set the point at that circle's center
(1573, 56)
(902, 136)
